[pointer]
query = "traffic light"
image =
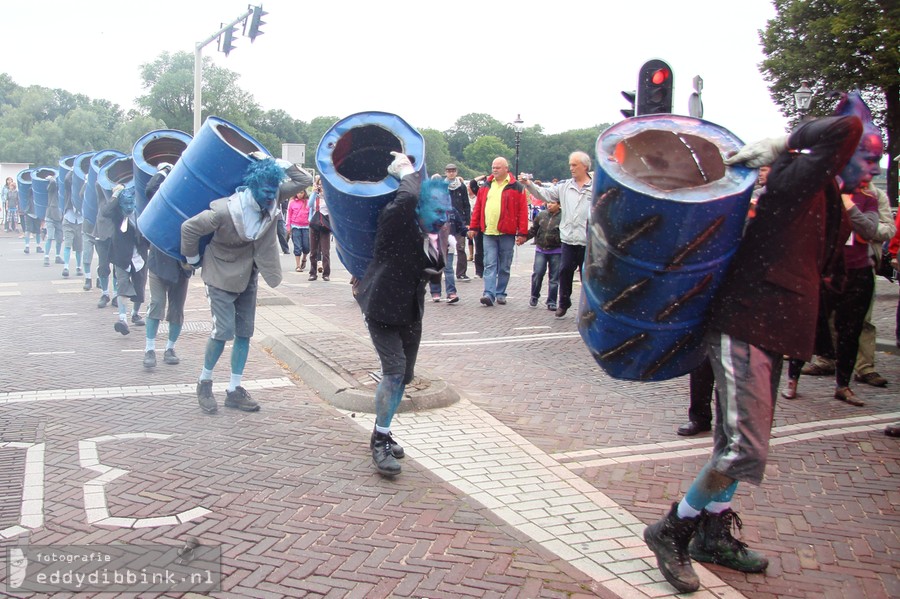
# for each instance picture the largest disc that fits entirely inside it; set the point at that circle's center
(256, 22)
(654, 95)
(629, 97)
(228, 40)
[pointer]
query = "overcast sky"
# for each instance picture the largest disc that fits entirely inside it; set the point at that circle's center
(558, 64)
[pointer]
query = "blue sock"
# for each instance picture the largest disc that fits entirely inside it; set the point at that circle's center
(67, 253)
(174, 332)
(722, 501)
(214, 349)
(152, 328)
(387, 399)
(699, 495)
(240, 349)
(104, 284)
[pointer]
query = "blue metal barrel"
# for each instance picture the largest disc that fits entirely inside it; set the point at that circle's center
(23, 183)
(89, 208)
(211, 167)
(39, 188)
(666, 219)
(80, 168)
(154, 148)
(118, 171)
(352, 159)
(66, 164)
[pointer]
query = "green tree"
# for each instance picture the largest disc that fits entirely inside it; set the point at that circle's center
(481, 153)
(437, 155)
(316, 131)
(837, 45)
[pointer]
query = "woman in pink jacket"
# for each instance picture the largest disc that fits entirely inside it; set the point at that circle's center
(297, 224)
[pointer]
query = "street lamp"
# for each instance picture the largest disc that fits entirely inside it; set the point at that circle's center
(519, 126)
(803, 97)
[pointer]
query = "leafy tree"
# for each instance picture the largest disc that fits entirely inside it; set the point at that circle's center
(481, 153)
(837, 45)
(316, 131)
(437, 155)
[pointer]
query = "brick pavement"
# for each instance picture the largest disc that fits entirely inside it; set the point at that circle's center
(825, 513)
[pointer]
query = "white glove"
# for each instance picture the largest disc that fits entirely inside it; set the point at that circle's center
(117, 190)
(759, 153)
(401, 166)
(284, 164)
(258, 155)
(163, 166)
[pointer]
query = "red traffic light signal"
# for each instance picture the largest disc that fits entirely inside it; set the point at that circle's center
(654, 95)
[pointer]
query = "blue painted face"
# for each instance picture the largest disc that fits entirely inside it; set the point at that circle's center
(863, 165)
(265, 193)
(434, 204)
(126, 200)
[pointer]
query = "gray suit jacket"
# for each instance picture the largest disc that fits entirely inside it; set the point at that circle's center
(228, 260)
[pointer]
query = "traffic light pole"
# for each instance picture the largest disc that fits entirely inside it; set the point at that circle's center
(198, 65)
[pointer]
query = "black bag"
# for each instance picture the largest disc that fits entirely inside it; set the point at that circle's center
(320, 222)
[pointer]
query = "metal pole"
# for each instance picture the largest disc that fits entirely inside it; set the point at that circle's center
(517, 153)
(198, 78)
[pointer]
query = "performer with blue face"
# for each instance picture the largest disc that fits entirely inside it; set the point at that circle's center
(392, 293)
(244, 245)
(128, 254)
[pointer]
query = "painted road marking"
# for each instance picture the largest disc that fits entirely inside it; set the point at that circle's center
(496, 340)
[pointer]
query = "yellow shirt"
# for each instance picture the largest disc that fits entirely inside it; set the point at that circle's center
(492, 206)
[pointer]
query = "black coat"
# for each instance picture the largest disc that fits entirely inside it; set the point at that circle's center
(393, 288)
(124, 243)
(770, 296)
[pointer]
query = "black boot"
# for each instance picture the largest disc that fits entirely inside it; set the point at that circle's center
(669, 539)
(713, 543)
(396, 449)
(384, 460)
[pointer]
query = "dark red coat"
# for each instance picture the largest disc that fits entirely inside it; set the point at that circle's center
(770, 296)
(513, 209)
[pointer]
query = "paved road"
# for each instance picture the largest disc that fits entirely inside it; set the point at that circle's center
(537, 483)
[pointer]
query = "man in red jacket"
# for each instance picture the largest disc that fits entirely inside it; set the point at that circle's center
(501, 213)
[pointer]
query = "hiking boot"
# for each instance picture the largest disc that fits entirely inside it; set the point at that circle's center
(137, 321)
(382, 455)
(150, 359)
(170, 358)
(669, 539)
(87, 285)
(104, 301)
(205, 397)
(65, 273)
(396, 450)
(714, 544)
(121, 327)
(241, 400)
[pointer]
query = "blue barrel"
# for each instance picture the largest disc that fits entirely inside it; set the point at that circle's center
(154, 148)
(66, 164)
(40, 187)
(90, 191)
(23, 183)
(211, 167)
(80, 168)
(352, 159)
(666, 219)
(118, 171)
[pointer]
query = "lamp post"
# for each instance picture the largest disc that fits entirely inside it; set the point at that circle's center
(803, 98)
(518, 126)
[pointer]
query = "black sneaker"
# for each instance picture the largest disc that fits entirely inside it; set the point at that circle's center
(104, 301)
(396, 450)
(170, 358)
(137, 321)
(150, 359)
(669, 539)
(205, 397)
(115, 301)
(241, 400)
(87, 285)
(501, 301)
(121, 327)
(714, 544)
(39, 250)
(533, 302)
(463, 278)
(382, 455)
(486, 301)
